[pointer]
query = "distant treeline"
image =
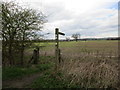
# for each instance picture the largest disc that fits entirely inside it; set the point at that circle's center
(111, 38)
(85, 39)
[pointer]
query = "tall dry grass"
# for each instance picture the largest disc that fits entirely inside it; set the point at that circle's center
(92, 64)
(94, 72)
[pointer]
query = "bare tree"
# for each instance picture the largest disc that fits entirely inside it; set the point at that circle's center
(76, 36)
(67, 39)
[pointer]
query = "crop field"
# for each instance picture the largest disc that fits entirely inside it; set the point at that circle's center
(82, 48)
(88, 64)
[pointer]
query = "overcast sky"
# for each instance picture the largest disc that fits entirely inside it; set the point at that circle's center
(90, 18)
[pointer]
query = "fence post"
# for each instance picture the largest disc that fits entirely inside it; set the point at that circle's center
(35, 57)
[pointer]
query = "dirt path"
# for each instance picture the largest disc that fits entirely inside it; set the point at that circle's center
(21, 82)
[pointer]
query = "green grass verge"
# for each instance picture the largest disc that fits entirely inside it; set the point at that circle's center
(16, 72)
(48, 81)
(51, 79)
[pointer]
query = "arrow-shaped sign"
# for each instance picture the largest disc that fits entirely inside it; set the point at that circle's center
(61, 33)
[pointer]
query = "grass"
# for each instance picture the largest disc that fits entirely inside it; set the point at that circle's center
(95, 73)
(89, 64)
(17, 72)
(72, 47)
(51, 79)
(48, 80)
(86, 64)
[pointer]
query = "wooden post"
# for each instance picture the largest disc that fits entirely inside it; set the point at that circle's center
(57, 37)
(35, 56)
(57, 50)
(57, 46)
(34, 59)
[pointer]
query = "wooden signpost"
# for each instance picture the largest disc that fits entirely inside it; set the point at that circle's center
(57, 50)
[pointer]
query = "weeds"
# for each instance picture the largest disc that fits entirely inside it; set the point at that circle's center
(91, 74)
(16, 72)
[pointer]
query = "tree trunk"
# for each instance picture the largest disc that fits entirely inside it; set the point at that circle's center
(22, 49)
(22, 54)
(10, 53)
(3, 51)
(76, 40)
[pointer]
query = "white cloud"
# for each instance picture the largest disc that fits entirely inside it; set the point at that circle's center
(91, 18)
